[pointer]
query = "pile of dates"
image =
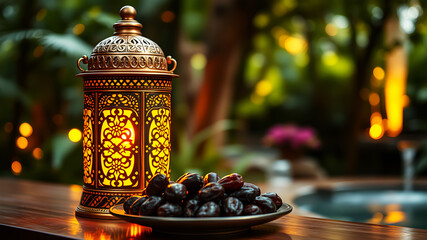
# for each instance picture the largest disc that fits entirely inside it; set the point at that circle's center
(195, 196)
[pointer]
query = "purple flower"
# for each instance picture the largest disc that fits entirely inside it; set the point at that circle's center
(291, 136)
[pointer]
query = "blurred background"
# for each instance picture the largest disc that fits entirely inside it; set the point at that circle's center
(339, 84)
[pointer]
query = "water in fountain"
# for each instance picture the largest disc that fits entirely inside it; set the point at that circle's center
(408, 155)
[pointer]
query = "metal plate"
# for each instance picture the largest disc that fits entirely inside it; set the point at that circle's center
(200, 226)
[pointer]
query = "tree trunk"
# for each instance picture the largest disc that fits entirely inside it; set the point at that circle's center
(228, 32)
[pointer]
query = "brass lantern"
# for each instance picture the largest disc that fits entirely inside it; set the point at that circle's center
(126, 116)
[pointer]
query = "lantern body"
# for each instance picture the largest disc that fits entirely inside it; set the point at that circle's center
(126, 118)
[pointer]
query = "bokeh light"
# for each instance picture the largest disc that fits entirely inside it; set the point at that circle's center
(75, 135)
(376, 118)
(263, 88)
(16, 167)
(22, 143)
(331, 29)
(374, 99)
(168, 16)
(376, 131)
(378, 73)
(78, 29)
(25, 129)
(198, 61)
(294, 44)
(38, 153)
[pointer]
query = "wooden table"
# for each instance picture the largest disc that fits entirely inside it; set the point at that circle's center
(33, 210)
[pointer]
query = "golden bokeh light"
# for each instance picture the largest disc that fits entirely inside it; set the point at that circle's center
(331, 29)
(25, 129)
(374, 99)
(78, 29)
(16, 167)
(198, 61)
(294, 44)
(22, 143)
(376, 118)
(38, 153)
(378, 73)
(263, 88)
(394, 217)
(75, 135)
(376, 131)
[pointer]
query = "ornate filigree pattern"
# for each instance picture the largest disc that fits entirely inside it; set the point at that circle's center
(157, 125)
(127, 52)
(119, 141)
(102, 201)
(127, 43)
(119, 100)
(98, 83)
(88, 144)
(101, 62)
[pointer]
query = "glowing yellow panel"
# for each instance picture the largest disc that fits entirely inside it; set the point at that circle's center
(87, 146)
(117, 144)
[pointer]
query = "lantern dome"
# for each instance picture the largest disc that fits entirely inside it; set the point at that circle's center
(127, 51)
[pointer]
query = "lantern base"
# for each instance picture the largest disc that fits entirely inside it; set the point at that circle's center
(96, 203)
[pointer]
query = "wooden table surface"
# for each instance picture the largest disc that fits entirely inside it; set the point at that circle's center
(33, 210)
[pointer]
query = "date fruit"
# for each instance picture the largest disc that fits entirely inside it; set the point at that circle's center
(169, 210)
(191, 207)
(176, 192)
(157, 185)
(273, 196)
(251, 209)
(211, 192)
(245, 194)
(231, 182)
(257, 190)
(210, 177)
(265, 204)
(209, 209)
(193, 195)
(134, 208)
(232, 207)
(192, 181)
(150, 206)
(129, 201)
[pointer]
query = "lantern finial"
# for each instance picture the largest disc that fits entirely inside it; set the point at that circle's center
(128, 13)
(128, 25)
